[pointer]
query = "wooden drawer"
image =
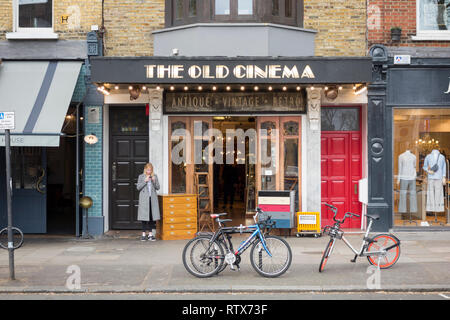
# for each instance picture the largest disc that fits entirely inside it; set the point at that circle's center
(179, 226)
(180, 213)
(178, 234)
(180, 206)
(179, 219)
(179, 199)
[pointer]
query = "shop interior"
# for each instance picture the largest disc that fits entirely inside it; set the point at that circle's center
(234, 184)
(421, 140)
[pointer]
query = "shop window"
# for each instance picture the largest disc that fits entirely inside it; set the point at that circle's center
(288, 8)
(27, 169)
(124, 122)
(340, 119)
(421, 140)
(433, 18)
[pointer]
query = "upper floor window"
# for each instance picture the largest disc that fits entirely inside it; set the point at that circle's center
(33, 19)
(35, 14)
(183, 12)
(433, 17)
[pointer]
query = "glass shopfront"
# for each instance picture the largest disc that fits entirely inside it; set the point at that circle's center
(421, 150)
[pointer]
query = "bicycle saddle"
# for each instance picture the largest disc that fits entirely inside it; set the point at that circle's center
(216, 215)
(373, 216)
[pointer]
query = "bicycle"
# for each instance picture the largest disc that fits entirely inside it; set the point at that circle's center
(209, 254)
(382, 247)
(17, 238)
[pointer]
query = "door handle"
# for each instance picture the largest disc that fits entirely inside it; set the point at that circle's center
(39, 186)
(114, 171)
(355, 187)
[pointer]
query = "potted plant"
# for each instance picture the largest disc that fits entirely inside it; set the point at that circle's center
(396, 32)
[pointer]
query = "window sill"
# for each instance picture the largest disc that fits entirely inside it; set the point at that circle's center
(424, 37)
(31, 36)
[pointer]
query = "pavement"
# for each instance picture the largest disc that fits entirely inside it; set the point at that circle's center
(123, 264)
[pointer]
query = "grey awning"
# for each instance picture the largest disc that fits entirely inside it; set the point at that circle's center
(39, 92)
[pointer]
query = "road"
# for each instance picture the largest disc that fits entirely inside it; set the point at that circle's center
(234, 296)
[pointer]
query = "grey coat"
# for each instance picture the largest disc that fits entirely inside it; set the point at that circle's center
(144, 196)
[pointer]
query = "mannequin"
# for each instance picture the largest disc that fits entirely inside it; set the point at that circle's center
(407, 179)
(435, 192)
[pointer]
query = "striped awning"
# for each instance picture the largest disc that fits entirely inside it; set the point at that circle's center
(39, 93)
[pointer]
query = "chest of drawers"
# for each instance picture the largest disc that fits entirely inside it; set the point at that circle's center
(179, 216)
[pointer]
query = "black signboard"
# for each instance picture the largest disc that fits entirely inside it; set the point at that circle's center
(229, 103)
(173, 70)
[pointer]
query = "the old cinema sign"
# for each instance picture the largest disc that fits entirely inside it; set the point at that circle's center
(232, 72)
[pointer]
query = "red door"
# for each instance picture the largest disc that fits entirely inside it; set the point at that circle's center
(341, 171)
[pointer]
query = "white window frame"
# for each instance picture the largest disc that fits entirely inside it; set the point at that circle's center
(422, 35)
(30, 33)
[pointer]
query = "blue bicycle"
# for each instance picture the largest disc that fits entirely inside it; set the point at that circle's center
(209, 253)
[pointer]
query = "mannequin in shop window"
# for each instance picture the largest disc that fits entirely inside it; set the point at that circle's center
(407, 173)
(436, 168)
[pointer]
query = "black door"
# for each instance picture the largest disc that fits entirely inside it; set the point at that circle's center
(128, 156)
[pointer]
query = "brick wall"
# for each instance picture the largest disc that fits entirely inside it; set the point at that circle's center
(341, 26)
(129, 25)
(82, 14)
(385, 14)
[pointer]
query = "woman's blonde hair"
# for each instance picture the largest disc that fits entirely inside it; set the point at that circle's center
(148, 165)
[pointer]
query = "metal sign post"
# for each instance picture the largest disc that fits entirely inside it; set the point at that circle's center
(7, 123)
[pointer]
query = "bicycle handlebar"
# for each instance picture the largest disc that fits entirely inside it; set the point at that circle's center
(346, 215)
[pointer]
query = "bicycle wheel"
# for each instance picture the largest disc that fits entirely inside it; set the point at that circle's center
(275, 265)
(384, 241)
(202, 258)
(17, 238)
(326, 254)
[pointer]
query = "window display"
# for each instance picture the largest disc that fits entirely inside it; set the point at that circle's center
(421, 166)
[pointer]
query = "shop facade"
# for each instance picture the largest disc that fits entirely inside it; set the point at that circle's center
(294, 123)
(409, 103)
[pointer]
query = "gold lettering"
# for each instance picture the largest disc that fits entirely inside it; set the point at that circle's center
(176, 69)
(238, 73)
(273, 69)
(259, 73)
(161, 70)
(307, 73)
(206, 73)
(222, 72)
(249, 72)
(150, 69)
(195, 72)
(290, 73)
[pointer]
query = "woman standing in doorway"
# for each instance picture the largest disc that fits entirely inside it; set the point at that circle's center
(148, 211)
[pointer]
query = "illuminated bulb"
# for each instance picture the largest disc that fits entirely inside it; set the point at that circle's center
(214, 88)
(270, 88)
(242, 88)
(326, 88)
(200, 88)
(340, 88)
(130, 87)
(172, 88)
(312, 88)
(186, 88)
(158, 88)
(144, 88)
(284, 88)
(256, 88)
(228, 88)
(116, 87)
(298, 88)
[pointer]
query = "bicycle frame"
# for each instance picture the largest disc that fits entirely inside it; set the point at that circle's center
(245, 244)
(362, 252)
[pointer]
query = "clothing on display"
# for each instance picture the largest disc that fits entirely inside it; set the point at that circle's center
(435, 190)
(407, 179)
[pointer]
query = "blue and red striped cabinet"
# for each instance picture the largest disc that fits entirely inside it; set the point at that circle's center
(280, 205)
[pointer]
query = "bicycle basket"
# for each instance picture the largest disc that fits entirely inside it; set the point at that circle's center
(265, 221)
(333, 232)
